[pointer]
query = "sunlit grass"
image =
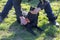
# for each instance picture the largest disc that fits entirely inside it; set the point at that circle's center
(11, 30)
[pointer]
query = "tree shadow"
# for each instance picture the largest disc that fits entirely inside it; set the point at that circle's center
(35, 2)
(20, 33)
(31, 3)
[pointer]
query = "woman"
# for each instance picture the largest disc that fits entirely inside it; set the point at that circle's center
(7, 8)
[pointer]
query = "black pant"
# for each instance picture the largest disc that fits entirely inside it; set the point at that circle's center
(8, 6)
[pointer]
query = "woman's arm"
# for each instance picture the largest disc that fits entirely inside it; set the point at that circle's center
(35, 11)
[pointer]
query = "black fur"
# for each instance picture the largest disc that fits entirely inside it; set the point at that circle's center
(33, 21)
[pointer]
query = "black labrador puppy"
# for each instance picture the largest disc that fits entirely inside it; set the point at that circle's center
(33, 18)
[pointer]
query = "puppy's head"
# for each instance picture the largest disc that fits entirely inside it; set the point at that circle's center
(32, 8)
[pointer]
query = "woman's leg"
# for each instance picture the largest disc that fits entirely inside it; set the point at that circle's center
(7, 8)
(17, 6)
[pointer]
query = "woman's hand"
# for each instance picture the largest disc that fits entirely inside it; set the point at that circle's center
(35, 11)
(28, 21)
(23, 20)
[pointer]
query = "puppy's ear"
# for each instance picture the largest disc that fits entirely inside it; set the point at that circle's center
(32, 8)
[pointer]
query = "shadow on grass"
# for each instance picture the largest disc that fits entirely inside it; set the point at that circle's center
(20, 33)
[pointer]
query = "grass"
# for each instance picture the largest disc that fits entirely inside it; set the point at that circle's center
(11, 30)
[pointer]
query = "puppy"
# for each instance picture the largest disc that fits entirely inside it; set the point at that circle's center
(32, 21)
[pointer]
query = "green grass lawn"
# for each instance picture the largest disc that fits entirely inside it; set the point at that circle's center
(11, 30)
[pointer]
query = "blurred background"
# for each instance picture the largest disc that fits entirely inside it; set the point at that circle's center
(11, 30)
